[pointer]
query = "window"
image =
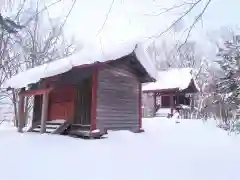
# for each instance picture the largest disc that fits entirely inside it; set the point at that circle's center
(181, 99)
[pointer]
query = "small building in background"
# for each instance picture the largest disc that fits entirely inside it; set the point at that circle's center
(172, 92)
(86, 94)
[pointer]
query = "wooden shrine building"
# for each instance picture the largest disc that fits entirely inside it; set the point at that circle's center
(80, 95)
(173, 89)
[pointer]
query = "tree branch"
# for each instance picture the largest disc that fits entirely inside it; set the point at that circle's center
(195, 21)
(45, 8)
(178, 20)
(106, 18)
(165, 10)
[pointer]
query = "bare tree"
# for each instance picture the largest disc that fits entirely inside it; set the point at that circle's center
(167, 56)
(38, 43)
(12, 25)
(187, 7)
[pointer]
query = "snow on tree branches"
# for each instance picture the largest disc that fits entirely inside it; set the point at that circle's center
(9, 25)
(229, 85)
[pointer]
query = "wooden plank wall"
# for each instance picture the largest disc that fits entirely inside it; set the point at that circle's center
(83, 103)
(117, 99)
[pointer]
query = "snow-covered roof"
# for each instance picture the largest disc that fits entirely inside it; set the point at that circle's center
(87, 55)
(174, 78)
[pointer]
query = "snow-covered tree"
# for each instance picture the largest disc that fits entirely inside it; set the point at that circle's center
(9, 25)
(168, 55)
(229, 84)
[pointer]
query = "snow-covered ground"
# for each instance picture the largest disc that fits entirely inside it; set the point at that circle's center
(190, 150)
(6, 110)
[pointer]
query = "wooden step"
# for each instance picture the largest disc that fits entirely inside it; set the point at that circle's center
(85, 134)
(51, 126)
(38, 129)
(82, 131)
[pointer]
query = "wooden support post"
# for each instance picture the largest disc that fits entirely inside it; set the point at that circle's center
(177, 99)
(155, 102)
(21, 113)
(160, 100)
(94, 99)
(140, 106)
(44, 112)
(171, 104)
(15, 105)
(192, 102)
(184, 100)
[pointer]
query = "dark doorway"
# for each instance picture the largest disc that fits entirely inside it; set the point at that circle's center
(165, 101)
(83, 103)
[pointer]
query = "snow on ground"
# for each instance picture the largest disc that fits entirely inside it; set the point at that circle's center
(6, 110)
(190, 150)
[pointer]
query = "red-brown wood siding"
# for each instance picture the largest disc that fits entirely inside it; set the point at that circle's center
(61, 104)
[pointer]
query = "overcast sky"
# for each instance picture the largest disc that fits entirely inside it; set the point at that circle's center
(137, 19)
(132, 18)
(222, 13)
